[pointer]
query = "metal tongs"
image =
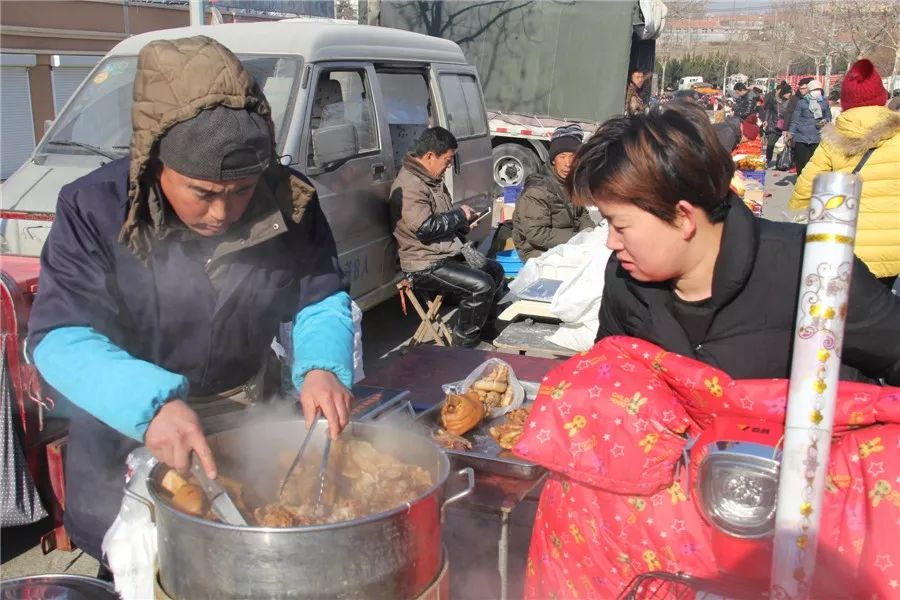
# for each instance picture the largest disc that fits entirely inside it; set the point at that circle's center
(297, 458)
(220, 502)
(323, 466)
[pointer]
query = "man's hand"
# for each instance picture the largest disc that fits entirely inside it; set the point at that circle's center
(470, 213)
(173, 433)
(322, 391)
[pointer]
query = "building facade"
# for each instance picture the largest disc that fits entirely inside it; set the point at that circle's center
(49, 47)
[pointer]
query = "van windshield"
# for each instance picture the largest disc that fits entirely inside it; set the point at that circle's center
(98, 119)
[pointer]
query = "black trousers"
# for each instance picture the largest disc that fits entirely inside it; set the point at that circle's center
(802, 153)
(478, 291)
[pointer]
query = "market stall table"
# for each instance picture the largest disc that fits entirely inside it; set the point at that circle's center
(424, 368)
(422, 371)
(530, 338)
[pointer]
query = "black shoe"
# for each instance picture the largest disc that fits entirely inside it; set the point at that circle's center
(104, 574)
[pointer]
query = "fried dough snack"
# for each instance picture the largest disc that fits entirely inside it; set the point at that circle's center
(172, 481)
(507, 434)
(494, 389)
(190, 499)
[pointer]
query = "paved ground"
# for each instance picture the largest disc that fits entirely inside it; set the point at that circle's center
(780, 185)
(385, 328)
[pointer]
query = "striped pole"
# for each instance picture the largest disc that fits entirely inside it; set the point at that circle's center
(818, 338)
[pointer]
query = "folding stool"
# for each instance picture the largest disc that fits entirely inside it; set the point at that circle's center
(433, 325)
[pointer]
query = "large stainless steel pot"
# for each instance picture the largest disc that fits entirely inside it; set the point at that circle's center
(393, 555)
(57, 587)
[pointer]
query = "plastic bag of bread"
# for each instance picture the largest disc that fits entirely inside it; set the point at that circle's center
(495, 383)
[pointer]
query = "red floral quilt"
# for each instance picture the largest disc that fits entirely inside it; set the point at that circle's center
(611, 424)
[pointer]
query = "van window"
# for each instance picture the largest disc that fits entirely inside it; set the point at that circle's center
(100, 113)
(406, 98)
(408, 107)
(465, 110)
(343, 98)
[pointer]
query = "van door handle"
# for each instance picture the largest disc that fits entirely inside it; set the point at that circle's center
(378, 171)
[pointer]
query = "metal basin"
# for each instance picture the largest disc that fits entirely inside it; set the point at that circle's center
(391, 555)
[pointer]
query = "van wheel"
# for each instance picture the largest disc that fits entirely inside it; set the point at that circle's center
(512, 164)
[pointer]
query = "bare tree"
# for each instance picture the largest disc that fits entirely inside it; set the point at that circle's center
(820, 44)
(864, 25)
(673, 43)
(891, 40)
(677, 41)
(777, 40)
(344, 9)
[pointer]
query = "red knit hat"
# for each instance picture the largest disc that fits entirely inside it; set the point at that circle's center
(862, 86)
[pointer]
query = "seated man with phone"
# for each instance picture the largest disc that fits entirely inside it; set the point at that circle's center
(430, 236)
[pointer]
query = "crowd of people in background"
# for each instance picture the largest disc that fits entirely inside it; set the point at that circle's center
(854, 126)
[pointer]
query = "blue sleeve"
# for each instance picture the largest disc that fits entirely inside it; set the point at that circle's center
(104, 380)
(322, 338)
(795, 119)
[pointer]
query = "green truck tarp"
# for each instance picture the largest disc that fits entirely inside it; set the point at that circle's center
(567, 60)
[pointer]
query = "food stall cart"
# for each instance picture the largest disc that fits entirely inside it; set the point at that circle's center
(422, 372)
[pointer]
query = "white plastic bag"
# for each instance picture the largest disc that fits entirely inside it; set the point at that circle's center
(577, 301)
(281, 345)
(518, 392)
(578, 298)
(779, 145)
(130, 543)
(580, 264)
(358, 373)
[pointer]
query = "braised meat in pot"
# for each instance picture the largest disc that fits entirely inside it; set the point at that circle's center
(360, 480)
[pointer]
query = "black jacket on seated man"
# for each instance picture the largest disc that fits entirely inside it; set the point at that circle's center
(429, 234)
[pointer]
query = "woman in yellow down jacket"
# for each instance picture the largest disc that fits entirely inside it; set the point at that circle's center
(864, 123)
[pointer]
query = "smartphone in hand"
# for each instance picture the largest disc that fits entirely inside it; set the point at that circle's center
(480, 216)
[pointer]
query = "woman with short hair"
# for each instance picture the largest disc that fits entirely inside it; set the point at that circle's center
(693, 270)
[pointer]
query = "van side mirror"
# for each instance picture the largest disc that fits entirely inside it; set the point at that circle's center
(334, 143)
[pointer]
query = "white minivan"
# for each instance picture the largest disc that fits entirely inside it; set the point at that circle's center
(686, 83)
(388, 84)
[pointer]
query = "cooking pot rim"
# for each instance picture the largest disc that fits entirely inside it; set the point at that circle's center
(443, 475)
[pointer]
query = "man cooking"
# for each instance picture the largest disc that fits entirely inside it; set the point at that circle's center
(166, 276)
